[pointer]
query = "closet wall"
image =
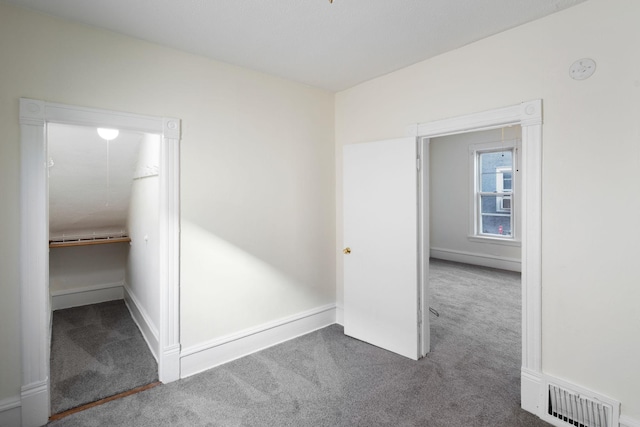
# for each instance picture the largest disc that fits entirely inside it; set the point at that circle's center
(143, 263)
(86, 274)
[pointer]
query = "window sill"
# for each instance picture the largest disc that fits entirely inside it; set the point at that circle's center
(495, 240)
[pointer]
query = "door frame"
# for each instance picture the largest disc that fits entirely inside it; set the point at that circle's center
(529, 116)
(34, 251)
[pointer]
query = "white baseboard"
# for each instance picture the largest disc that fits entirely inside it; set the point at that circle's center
(145, 324)
(169, 364)
(340, 315)
(87, 295)
(213, 353)
(10, 409)
(504, 263)
(530, 388)
(628, 422)
(34, 404)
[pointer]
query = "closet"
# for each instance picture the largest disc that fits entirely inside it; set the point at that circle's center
(103, 247)
(103, 216)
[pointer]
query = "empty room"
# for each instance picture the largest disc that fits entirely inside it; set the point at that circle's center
(296, 213)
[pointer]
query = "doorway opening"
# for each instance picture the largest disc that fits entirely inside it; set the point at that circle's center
(163, 337)
(103, 262)
(475, 255)
(528, 116)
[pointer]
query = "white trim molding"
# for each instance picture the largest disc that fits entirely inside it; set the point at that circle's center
(531, 391)
(34, 259)
(10, 412)
(340, 315)
(628, 421)
(86, 295)
(529, 116)
(34, 401)
(216, 352)
(141, 318)
(169, 238)
(504, 263)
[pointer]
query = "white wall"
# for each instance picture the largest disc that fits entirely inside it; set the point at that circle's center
(450, 177)
(257, 171)
(591, 130)
(86, 266)
(142, 272)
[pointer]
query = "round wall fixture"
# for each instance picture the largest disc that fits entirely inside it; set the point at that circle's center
(582, 69)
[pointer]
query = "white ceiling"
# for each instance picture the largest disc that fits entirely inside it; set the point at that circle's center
(331, 46)
(89, 192)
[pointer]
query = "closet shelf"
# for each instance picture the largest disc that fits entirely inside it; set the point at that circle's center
(86, 242)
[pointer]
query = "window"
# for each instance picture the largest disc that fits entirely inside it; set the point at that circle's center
(493, 191)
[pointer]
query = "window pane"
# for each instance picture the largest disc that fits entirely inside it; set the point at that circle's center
(494, 218)
(506, 203)
(506, 181)
(489, 165)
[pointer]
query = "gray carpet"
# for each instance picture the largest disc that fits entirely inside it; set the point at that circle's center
(471, 378)
(96, 351)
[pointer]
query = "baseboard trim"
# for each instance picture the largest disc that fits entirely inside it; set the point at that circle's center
(10, 409)
(628, 421)
(141, 318)
(34, 404)
(504, 263)
(530, 391)
(169, 364)
(199, 358)
(76, 297)
(340, 315)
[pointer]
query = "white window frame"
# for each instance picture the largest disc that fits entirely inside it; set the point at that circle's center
(474, 194)
(500, 189)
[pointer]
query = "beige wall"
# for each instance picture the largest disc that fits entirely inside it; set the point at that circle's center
(257, 176)
(591, 153)
(258, 170)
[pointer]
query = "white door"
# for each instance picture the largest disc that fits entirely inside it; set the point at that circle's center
(382, 260)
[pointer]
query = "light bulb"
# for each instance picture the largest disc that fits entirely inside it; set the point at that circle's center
(108, 134)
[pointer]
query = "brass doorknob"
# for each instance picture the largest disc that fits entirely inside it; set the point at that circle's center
(346, 251)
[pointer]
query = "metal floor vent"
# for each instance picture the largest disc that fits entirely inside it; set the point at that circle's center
(576, 410)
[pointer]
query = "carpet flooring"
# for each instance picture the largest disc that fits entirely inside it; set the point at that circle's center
(471, 377)
(96, 351)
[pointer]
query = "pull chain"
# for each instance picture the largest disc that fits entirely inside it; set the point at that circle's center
(108, 176)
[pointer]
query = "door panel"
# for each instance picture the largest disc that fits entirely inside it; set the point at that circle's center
(381, 273)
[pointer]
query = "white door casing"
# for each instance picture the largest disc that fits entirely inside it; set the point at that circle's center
(34, 255)
(381, 228)
(529, 116)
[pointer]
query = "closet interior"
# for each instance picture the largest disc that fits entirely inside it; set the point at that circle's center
(103, 260)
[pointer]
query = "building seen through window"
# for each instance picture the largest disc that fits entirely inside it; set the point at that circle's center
(494, 197)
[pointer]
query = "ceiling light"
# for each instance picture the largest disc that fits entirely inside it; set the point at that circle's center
(108, 134)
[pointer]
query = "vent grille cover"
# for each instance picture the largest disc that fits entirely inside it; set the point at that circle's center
(577, 410)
